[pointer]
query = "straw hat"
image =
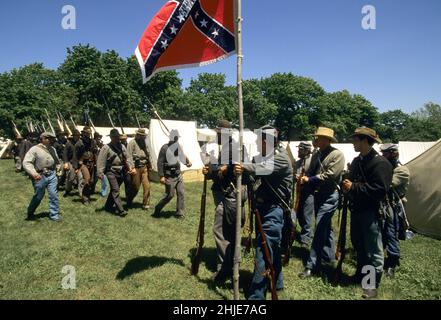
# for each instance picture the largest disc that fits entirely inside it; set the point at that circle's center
(141, 132)
(325, 132)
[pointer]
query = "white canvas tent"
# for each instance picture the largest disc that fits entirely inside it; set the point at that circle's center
(158, 136)
(409, 150)
(424, 195)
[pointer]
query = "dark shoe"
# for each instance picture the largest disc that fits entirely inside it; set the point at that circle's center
(180, 216)
(31, 217)
(122, 214)
(390, 273)
(307, 273)
(156, 214)
(219, 277)
(369, 293)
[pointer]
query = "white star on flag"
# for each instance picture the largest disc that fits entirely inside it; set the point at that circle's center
(215, 33)
(204, 23)
(173, 30)
(164, 44)
(181, 18)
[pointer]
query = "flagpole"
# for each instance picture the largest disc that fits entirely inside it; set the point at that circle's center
(237, 249)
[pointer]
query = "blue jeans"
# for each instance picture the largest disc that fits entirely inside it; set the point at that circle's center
(50, 182)
(272, 224)
(323, 247)
(305, 217)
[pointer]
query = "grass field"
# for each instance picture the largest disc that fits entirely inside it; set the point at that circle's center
(141, 257)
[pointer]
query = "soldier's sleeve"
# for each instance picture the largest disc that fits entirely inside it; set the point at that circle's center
(378, 184)
(128, 157)
(102, 161)
(130, 150)
(161, 160)
(333, 169)
(28, 162)
(400, 177)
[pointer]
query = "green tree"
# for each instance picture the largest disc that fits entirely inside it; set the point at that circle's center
(392, 124)
(295, 98)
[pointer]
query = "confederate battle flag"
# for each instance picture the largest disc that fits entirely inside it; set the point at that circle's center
(186, 33)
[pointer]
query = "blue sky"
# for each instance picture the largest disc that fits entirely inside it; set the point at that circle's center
(398, 65)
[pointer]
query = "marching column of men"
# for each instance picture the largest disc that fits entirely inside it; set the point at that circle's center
(376, 187)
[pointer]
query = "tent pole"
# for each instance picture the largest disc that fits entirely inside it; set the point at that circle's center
(237, 249)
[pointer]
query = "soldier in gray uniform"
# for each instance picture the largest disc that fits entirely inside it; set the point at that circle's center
(169, 170)
(306, 202)
(114, 162)
(40, 163)
(221, 171)
(395, 224)
(137, 150)
(16, 151)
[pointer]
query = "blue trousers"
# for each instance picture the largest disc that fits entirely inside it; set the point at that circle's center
(305, 216)
(50, 182)
(390, 240)
(323, 247)
(272, 223)
(366, 239)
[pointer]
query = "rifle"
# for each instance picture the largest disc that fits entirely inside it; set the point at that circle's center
(266, 256)
(249, 240)
(137, 121)
(110, 118)
(73, 122)
(340, 252)
(66, 127)
(120, 123)
(195, 262)
(17, 133)
(59, 122)
(296, 207)
(49, 121)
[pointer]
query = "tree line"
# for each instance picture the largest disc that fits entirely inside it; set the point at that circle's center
(101, 82)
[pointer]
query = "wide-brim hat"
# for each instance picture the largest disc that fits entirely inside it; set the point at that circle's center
(368, 132)
(141, 132)
(325, 132)
(114, 133)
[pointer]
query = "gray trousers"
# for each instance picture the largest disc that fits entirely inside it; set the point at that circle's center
(114, 198)
(224, 235)
(172, 186)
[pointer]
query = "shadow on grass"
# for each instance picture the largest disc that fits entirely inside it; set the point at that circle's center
(165, 215)
(78, 200)
(209, 258)
(140, 264)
